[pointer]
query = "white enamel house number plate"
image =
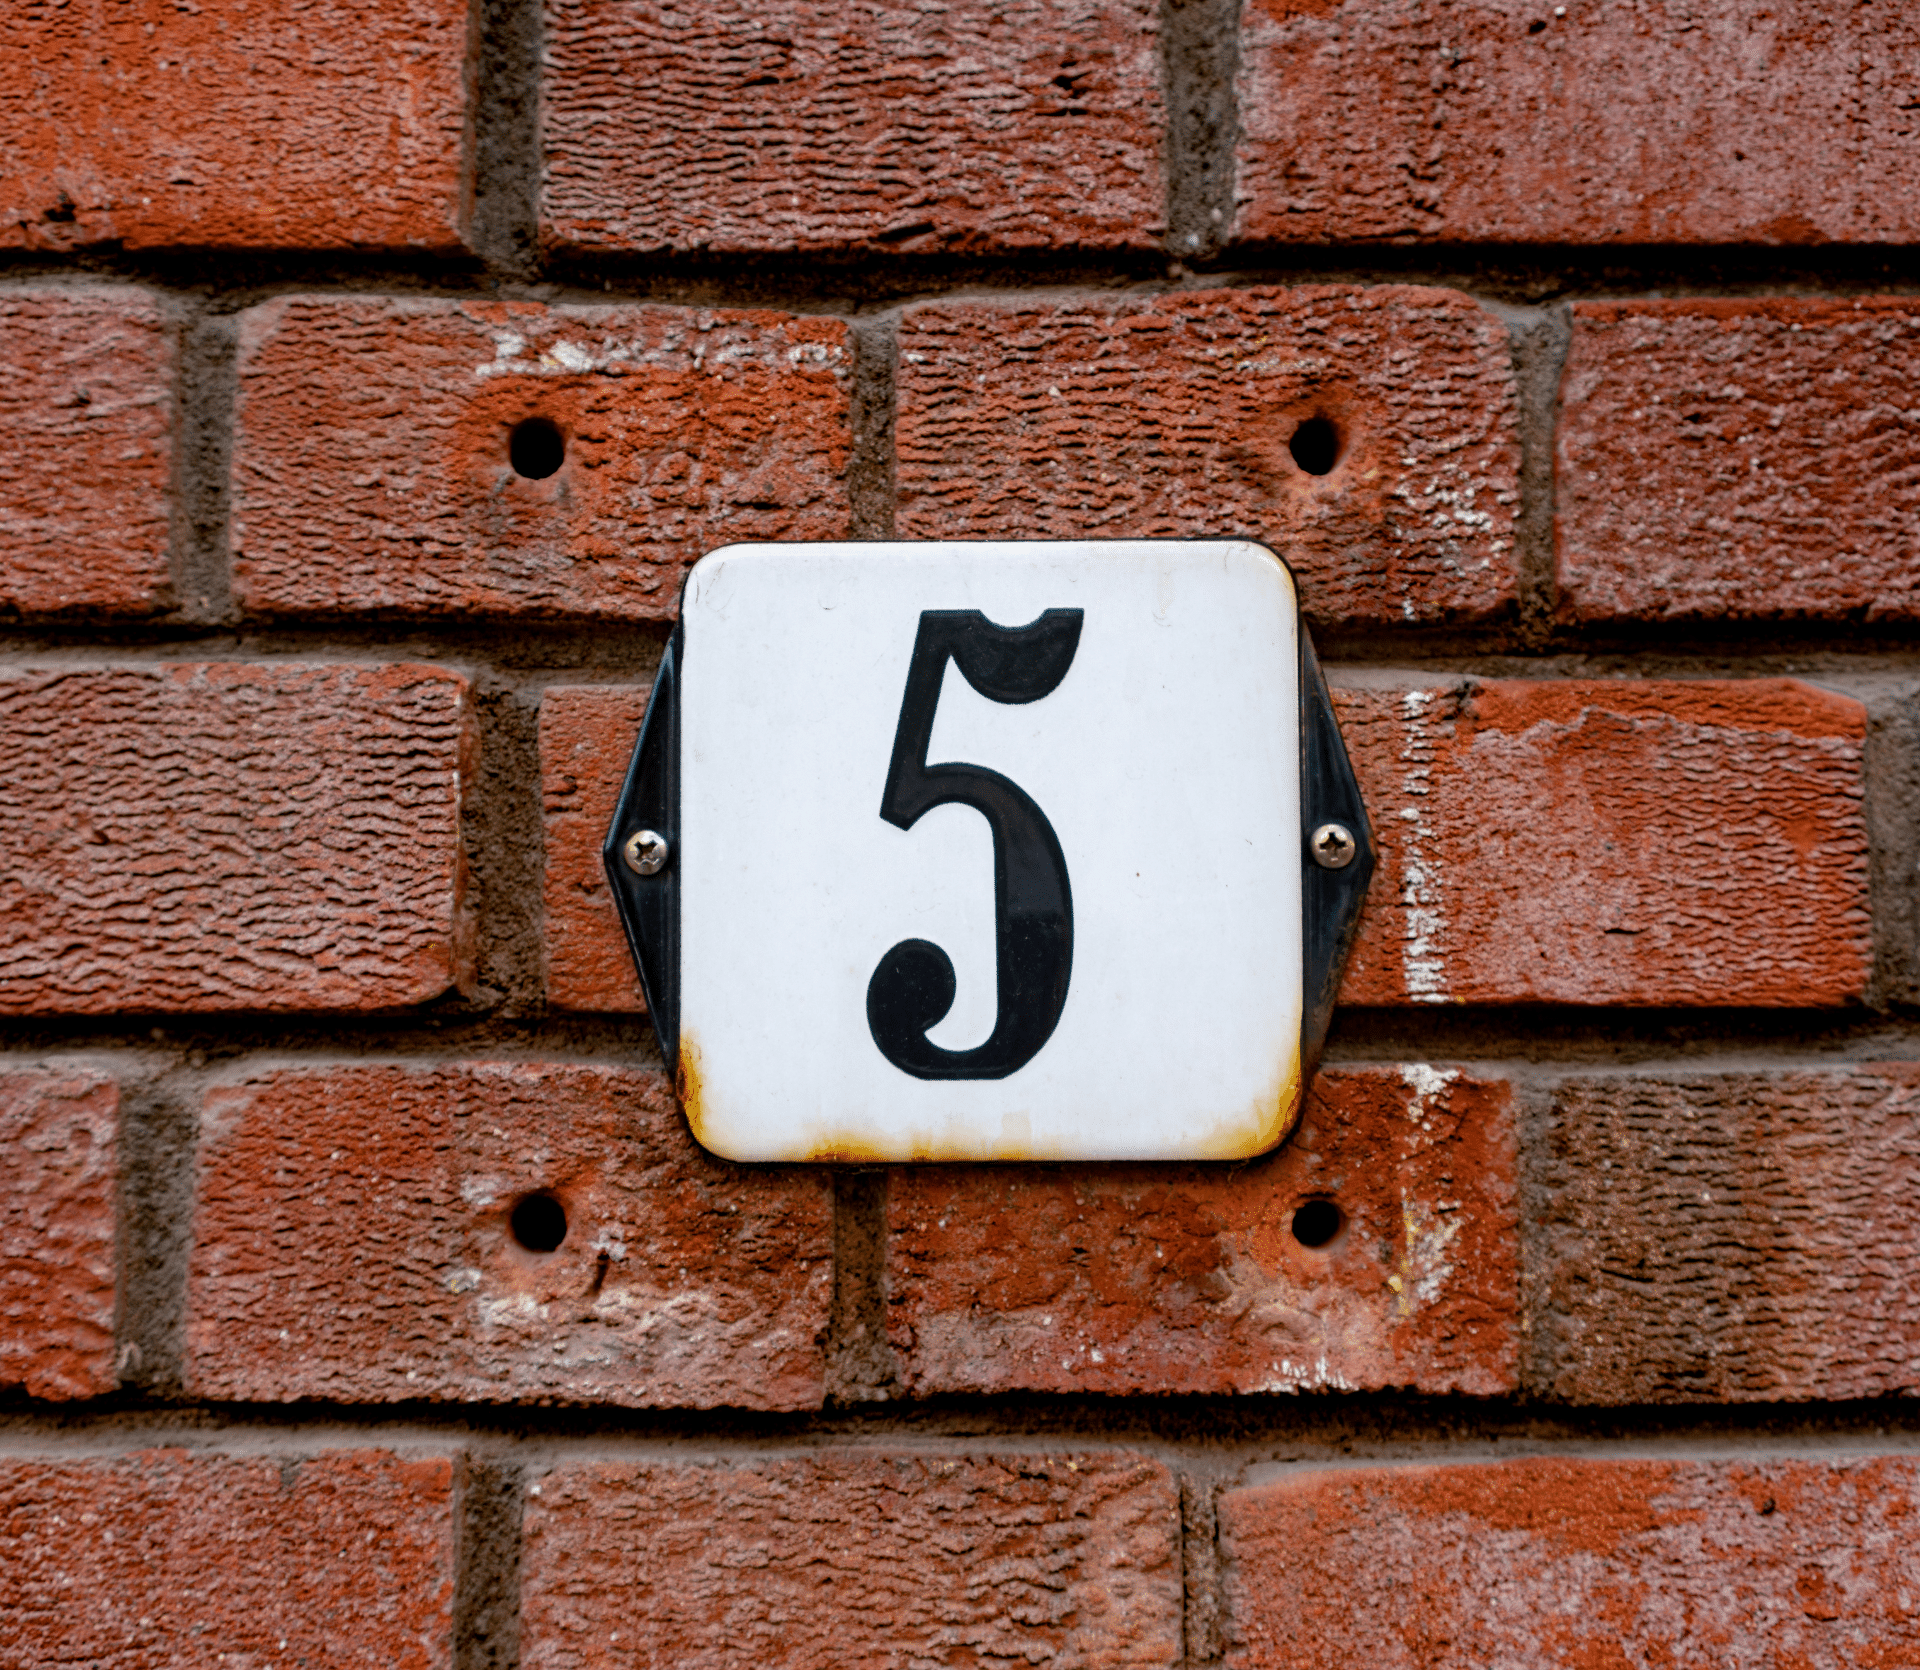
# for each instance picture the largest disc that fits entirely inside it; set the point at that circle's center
(1041, 851)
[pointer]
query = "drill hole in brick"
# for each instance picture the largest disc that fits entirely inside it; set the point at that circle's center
(1316, 1223)
(536, 448)
(1316, 446)
(538, 1223)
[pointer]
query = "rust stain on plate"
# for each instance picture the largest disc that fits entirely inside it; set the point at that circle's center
(1267, 1123)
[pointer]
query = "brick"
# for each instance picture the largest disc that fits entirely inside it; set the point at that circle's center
(206, 836)
(87, 409)
(1740, 459)
(1612, 842)
(1727, 1237)
(171, 1560)
(1635, 122)
(57, 1142)
(817, 124)
(1127, 1279)
(587, 736)
(685, 429)
(1172, 416)
(845, 1559)
(335, 125)
(1697, 1565)
(353, 1241)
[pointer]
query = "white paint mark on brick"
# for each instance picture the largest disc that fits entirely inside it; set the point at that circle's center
(571, 358)
(1426, 1082)
(481, 1192)
(1423, 960)
(1289, 1376)
(1428, 1229)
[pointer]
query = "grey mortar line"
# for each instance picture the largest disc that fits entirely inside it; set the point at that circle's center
(489, 1520)
(1315, 1431)
(1200, 65)
(503, 135)
(205, 386)
(1540, 338)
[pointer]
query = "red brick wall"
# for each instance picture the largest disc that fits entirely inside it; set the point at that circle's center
(316, 1026)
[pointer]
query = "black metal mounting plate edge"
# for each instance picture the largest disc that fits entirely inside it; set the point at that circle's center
(649, 906)
(1330, 899)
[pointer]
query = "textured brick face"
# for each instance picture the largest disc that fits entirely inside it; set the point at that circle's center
(353, 1240)
(852, 1560)
(1190, 1278)
(1623, 122)
(1728, 1237)
(810, 124)
(145, 122)
(684, 429)
(1173, 418)
(1747, 459)
(87, 408)
(587, 737)
(1611, 842)
(57, 1131)
(165, 1560)
(1696, 1565)
(208, 836)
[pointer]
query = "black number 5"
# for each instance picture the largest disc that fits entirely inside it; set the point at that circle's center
(913, 986)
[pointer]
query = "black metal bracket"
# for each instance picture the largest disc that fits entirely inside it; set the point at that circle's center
(1330, 899)
(649, 906)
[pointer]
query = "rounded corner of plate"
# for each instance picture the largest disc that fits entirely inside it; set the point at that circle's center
(1288, 1124)
(713, 1133)
(718, 1148)
(1274, 1120)
(708, 568)
(1264, 557)
(733, 548)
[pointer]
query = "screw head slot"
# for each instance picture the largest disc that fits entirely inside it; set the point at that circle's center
(1333, 846)
(645, 852)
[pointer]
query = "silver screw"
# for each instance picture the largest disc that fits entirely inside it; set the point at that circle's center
(1333, 846)
(646, 852)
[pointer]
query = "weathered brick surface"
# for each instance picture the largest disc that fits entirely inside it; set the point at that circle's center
(57, 1145)
(685, 429)
(1612, 842)
(353, 1241)
(201, 836)
(168, 1560)
(1138, 1279)
(87, 408)
(1632, 122)
(1697, 1565)
(848, 1559)
(1723, 1237)
(1171, 417)
(587, 736)
(1749, 459)
(810, 124)
(145, 122)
